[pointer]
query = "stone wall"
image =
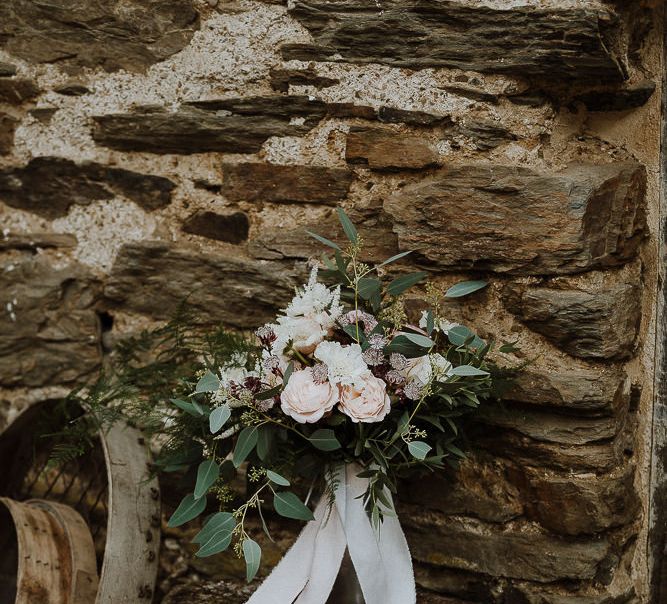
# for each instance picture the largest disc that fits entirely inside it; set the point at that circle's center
(153, 149)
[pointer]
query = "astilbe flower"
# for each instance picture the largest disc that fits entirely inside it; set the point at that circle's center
(308, 319)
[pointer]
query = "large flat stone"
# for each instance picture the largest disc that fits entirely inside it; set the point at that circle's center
(468, 217)
(155, 277)
(573, 387)
(477, 488)
(596, 317)
(112, 34)
(598, 457)
(582, 504)
(36, 241)
(381, 149)
(551, 427)
(556, 43)
(521, 552)
(282, 79)
(485, 134)
(49, 331)
(48, 186)
(236, 125)
(7, 69)
(230, 227)
(284, 241)
(16, 91)
(278, 183)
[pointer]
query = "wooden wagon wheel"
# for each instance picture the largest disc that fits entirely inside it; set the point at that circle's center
(110, 486)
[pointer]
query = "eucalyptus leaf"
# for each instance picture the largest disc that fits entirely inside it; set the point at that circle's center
(288, 373)
(324, 440)
(217, 522)
(454, 449)
(459, 334)
(277, 478)
(368, 287)
(189, 508)
(252, 554)
(267, 394)
(420, 340)
(394, 258)
(287, 504)
(464, 288)
(324, 240)
(430, 322)
(400, 284)
(467, 371)
(265, 438)
(187, 406)
(209, 382)
(207, 473)
(245, 443)
(348, 227)
(218, 418)
(405, 346)
(419, 449)
(218, 542)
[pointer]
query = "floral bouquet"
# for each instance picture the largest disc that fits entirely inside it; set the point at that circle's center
(342, 396)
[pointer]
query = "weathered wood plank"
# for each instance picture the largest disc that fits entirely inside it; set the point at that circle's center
(133, 530)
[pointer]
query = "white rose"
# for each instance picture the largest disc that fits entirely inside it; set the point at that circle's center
(305, 400)
(305, 333)
(426, 367)
(367, 402)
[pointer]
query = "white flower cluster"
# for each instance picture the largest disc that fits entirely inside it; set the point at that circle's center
(309, 318)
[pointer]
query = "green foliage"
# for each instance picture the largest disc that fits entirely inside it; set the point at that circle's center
(218, 418)
(187, 510)
(252, 554)
(324, 439)
(287, 504)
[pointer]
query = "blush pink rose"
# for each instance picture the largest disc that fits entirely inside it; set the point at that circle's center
(365, 403)
(305, 400)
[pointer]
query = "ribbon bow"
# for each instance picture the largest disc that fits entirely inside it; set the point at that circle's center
(381, 558)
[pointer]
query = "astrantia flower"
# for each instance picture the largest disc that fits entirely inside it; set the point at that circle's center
(367, 321)
(373, 356)
(274, 367)
(440, 325)
(398, 361)
(413, 390)
(345, 364)
(365, 402)
(234, 370)
(305, 400)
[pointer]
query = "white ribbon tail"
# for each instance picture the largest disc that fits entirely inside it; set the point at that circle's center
(381, 557)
